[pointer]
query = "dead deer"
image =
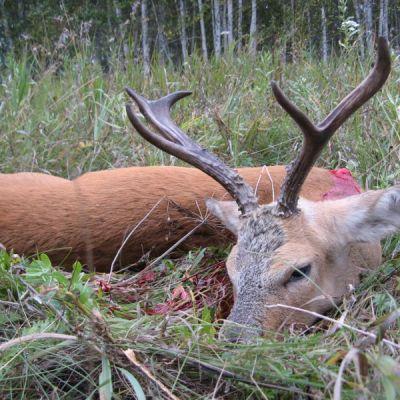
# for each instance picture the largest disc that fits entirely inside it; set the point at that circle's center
(117, 216)
(294, 252)
(90, 218)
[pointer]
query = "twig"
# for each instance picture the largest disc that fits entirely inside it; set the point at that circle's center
(265, 168)
(338, 384)
(9, 303)
(324, 317)
(380, 330)
(228, 374)
(119, 356)
(36, 336)
(130, 355)
(155, 261)
(129, 236)
(175, 245)
(362, 344)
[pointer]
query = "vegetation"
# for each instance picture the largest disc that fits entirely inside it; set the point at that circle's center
(154, 331)
(174, 29)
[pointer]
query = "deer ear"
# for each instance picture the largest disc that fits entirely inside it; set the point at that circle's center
(227, 212)
(368, 217)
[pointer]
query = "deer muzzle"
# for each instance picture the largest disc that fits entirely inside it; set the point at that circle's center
(243, 325)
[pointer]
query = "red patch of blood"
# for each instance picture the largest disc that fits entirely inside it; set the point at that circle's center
(344, 185)
(212, 289)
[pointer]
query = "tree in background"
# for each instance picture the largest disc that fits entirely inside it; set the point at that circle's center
(175, 29)
(145, 39)
(253, 28)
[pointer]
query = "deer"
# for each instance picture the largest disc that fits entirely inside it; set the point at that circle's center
(127, 216)
(295, 252)
(114, 218)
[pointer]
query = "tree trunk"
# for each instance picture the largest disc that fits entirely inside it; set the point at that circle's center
(121, 30)
(324, 36)
(368, 24)
(182, 15)
(136, 45)
(396, 27)
(293, 32)
(134, 22)
(118, 15)
(21, 9)
(383, 18)
(162, 42)
(253, 28)
(193, 35)
(145, 39)
(224, 28)
(203, 31)
(239, 24)
(361, 28)
(217, 30)
(310, 39)
(6, 42)
(230, 23)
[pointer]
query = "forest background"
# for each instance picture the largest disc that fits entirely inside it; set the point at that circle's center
(172, 30)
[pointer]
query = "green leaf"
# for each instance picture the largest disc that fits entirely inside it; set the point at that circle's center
(76, 271)
(206, 315)
(105, 380)
(60, 278)
(390, 390)
(134, 383)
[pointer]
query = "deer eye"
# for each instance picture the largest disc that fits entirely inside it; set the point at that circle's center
(300, 273)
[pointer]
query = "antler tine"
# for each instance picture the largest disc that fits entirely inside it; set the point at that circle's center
(174, 141)
(317, 136)
(157, 113)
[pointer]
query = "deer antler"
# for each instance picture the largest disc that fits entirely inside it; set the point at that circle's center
(317, 136)
(174, 141)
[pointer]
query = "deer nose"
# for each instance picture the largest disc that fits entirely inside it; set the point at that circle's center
(236, 333)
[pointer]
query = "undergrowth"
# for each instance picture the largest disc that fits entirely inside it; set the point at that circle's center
(69, 119)
(155, 332)
(169, 317)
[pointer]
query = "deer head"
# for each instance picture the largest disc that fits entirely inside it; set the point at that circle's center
(295, 252)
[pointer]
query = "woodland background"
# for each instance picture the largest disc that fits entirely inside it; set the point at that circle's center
(172, 30)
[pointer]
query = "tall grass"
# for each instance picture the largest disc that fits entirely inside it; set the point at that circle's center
(69, 118)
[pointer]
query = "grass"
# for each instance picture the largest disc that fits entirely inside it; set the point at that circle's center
(69, 119)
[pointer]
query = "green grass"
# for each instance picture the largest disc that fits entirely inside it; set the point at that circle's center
(69, 119)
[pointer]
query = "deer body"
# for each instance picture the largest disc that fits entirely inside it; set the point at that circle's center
(89, 217)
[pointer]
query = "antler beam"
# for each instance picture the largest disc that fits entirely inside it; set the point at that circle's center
(174, 141)
(317, 136)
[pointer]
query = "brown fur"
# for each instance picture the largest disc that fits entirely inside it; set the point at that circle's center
(88, 218)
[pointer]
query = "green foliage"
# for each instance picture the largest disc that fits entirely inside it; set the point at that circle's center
(179, 348)
(105, 380)
(134, 383)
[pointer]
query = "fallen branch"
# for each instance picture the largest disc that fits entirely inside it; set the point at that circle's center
(119, 356)
(36, 336)
(222, 372)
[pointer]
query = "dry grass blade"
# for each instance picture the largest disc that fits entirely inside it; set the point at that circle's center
(36, 336)
(132, 231)
(130, 355)
(351, 355)
(324, 317)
